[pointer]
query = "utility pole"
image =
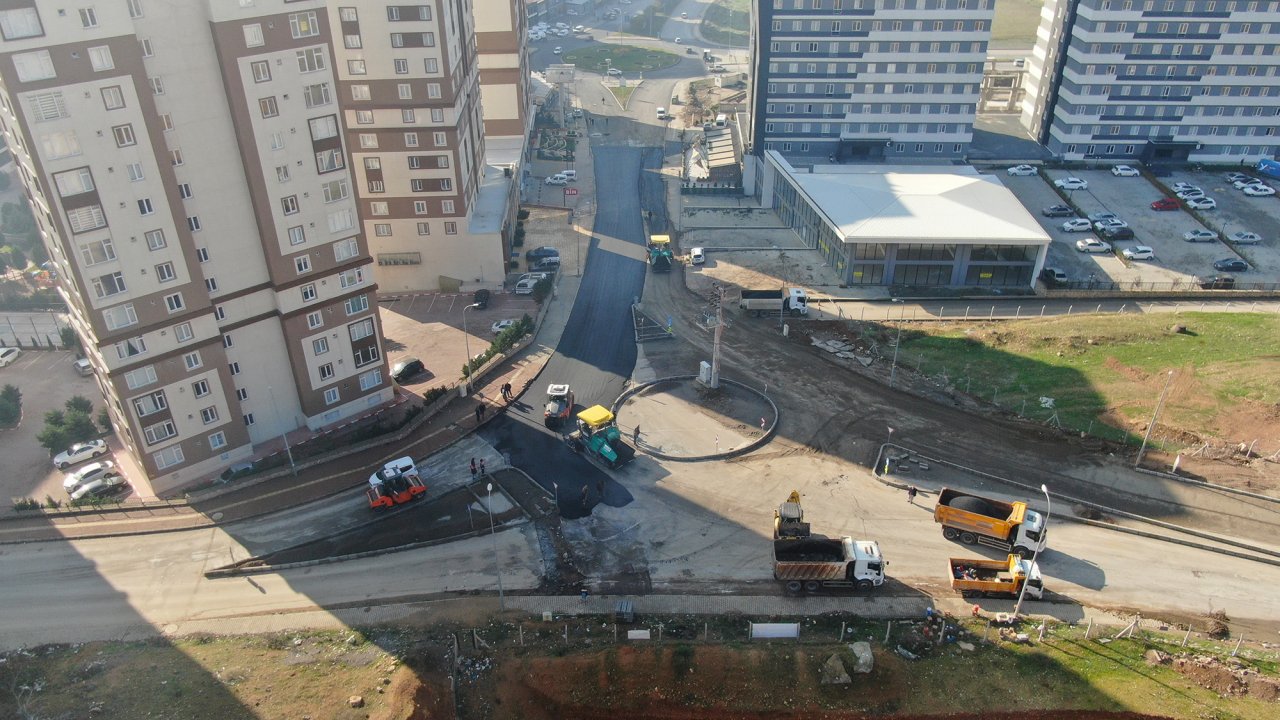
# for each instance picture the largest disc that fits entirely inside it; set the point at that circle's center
(715, 345)
(1155, 416)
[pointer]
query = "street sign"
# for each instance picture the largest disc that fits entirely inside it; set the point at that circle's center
(571, 191)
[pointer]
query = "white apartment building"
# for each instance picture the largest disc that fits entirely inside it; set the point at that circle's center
(867, 80)
(1156, 80)
(189, 166)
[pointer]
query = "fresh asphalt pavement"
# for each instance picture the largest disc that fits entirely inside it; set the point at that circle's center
(597, 351)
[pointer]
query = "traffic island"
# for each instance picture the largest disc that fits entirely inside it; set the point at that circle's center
(682, 420)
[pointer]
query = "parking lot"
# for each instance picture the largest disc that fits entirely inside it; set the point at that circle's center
(1176, 260)
(46, 380)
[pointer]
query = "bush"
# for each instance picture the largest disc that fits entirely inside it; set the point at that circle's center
(104, 420)
(542, 290)
(64, 429)
(70, 340)
(522, 214)
(20, 504)
(435, 394)
(10, 406)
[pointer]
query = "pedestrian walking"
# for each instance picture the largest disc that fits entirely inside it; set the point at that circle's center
(479, 412)
(473, 468)
(507, 394)
(911, 490)
(483, 472)
(635, 436)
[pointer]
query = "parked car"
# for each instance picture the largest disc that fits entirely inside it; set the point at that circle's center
(502, 325)
(1021, 170)
(1104, 215)
(89, 472)
(1231, 265)
(547, 264)
(1117, 233)
(1053, 276)
(105, 486)
(1071, 183)
(1092, 245)
(1245, 238)
(1058, 211)
(1110, 223)
(579, 29)
(718, 69)
(1200, 236)
(558, 50)
(83, 367)
(697, 256)
(534, 276)
(1138, 252)
(1202, 203)
(570, 175)
(1218, 282)
(79, 452)
(525, 287)
(541, 252)
(1242, 184)
(1182, 186)
(1165, 204)
(1259, 191)
(1235, 177)
(1125, 171)
(1191, 193)
(8, 355)
(557, 180)
(614, 72)
(406, 369)
(1076, 225)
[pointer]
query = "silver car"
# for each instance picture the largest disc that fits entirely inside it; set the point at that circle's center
(87, 474)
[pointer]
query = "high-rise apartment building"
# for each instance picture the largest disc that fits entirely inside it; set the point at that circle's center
(1156, 80)
(867, 80)
(502, 33)
(189, 164)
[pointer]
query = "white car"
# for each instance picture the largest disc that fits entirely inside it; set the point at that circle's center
(1200, 236)
(502, 325)
(8, 355)
(557, 50)
(1021, 170)
(1235, 177)
(557, 180)
(684, 16)
(1071, 183)
(1180, 186)
(579, 28)
(1110, 224)
(1138, 252)
(614, 72)
(1076, 225)
(1259, 190)
(1191, 193)
(697, 256)
(79, 452)
(1202, 203)
(562, 26)
(1125, 171)
(1093, 245)
(678, 41)
(1245, 238)
(1242, 184)
(88, 473)
(102, 487)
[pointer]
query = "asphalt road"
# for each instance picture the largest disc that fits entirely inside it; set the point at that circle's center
(597, 351)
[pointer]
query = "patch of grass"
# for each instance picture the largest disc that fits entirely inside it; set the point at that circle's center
(1106, 368)
(627, 58)
(728, 22)
(623, 94)
(1015, 23)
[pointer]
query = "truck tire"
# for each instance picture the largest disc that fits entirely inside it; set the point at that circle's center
(1023, 553)
(950, 533)
(865, 585)
(970, 593)
(812, 586)
(794, 587)
(968, 538)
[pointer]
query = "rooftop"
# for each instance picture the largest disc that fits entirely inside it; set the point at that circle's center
(495, 188)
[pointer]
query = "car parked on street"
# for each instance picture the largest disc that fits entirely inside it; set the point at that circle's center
(80, 452)
(541, 252)
(1245, 237)
(83, 367)
(104, 487)
(1231, 265)
(557, 180)
(1125, 171)
(1200, 236)
(613, 72)
(1054, 211)
(1076, 225)
(1259, 191)
(1218, 282)
(1138, 252)
(501, 325)
(1071, 183)
(8, 355)
(1053, 277)
(1117, 233)
(1182, 187)
(89, 472)
(1202, 203)
(1093, 245)
(1235, 177)
(1165, 204)
(1021, 170)
(1191, 194)
(1242, 184)
(697, 256)
(406, 369)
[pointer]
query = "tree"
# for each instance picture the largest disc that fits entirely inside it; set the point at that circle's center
(104, 420)
(64, 428)
(10, 406)
(80, 403)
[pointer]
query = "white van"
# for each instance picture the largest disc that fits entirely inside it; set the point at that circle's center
(697, 256)
(525, 287)
(721, 120)
(570, 175)
(662, 113)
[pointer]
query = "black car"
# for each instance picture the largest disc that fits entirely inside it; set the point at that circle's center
(1231, 265)
(1122, 233)
(1058, 211)
(406, 368)
(1220, 282)
(481, 299)
(538, 253)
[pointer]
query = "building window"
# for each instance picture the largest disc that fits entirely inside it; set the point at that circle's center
(359, 92)
(424, 228)
(379, 208)
(108, 285)
(357, 304)
(420, 207)
(310, 60)
(234, 368)
(131, 348)
(451, 228)
(248, 419)
(261, 71)
(382, 229)
(124, 135)
(192, 361)
(140, 377)
(20, 23)
(364, 117)
(407, 115)
(411, 139)
(331, 396)
(297, 235)
(193, 223)
(344, 250)
(150, 404)
(160, 431)
(335, 191)
(88, 18)
(211, 284)
(370, 380)
(157, 86)
(401, 66)
(446, 207)
(316, 95)
(219, 312)
(314, 320)
(217, 441)
(303, 25)
(439, 139)
(209, 415)
(164, 272)
(302, 264)
(100, 58)
(184, 191)
(329, 160)
(351, 278)
(174, 302)
(32, 66)
(200, 388)
(145, 207)
(319, 346)
(368, 141)
(120, 316)
(268, 107)
(289, 204)
(242, 394)
(282, 173)
(253, 35)
(175, 157)
(355, 67)
(168, 457)
(308, 292)
(400, 258)
(360, 330)
(326, 372)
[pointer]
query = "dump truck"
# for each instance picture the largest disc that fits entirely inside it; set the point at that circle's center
(395, 484)
(559, 405)
(660, 255)
(598, 438)
(973, 520)
(806, 562)
(979, 577)
(773, 302)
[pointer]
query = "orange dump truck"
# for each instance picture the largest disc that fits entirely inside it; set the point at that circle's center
(977, 577)
(973, 520)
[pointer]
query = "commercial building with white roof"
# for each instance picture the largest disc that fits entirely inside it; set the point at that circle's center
(914, 226)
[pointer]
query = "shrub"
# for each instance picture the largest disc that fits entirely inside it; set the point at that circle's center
(542, 290)
(63, 429)
(435, 394)
(522, 214)
(20, 504)
(10, 406)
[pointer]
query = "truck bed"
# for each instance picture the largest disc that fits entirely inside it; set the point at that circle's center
(761, 294)
(815, 548)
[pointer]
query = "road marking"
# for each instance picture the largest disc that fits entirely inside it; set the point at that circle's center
(433, 302)
(412, 300)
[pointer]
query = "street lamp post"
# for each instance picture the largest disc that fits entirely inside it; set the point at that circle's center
(497, 567)
(283, 433)
(1044, 529)
(1154, 417)
(466, 344)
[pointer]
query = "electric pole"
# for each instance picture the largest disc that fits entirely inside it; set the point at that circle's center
(715, 346)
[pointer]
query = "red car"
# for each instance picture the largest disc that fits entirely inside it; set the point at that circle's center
(1165, 204)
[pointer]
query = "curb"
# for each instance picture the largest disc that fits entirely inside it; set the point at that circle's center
(1209, 485)
(768, 435)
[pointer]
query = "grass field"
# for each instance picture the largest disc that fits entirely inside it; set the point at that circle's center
(627, 58)
(728, 22)
(1110, 369)
(1015, 22)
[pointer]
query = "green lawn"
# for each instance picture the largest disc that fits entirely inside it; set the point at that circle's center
(1110, 369)
(728, 22)
(627, 58)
